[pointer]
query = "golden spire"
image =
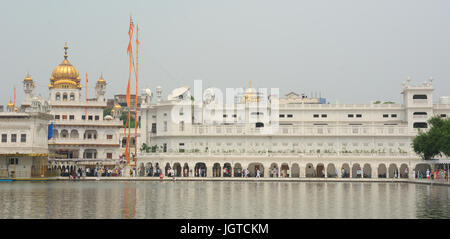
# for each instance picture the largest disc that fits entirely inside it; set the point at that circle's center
(65, 51)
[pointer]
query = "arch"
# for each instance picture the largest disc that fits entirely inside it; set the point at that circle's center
(331, 171)
(310, 171)
(284, 170)
(177, 169)
(72, 97)
(55, 133)
(404, 171)
(345, 170)
(64, 97)
(74, 134)
(253, 169)
(166, 169)
(200, 170)
(367, 171)
(90, 134)
(58, 96)
(237, 170)
(90, 154)
(295, 171)
(393, 171)
(382, 171)
(227, 170)
(274, 172)
(421, 170)
(356, 171)
(185, 170)
(157, 170)
(64, 133)
(149, 169)
(320, 170)
(217, 170)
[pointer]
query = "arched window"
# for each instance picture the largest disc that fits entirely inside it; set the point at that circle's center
(65, 97)
(420, 125)
(64, 133)
(58, 96)
(422, 97)
(74, 134)
(72, 97)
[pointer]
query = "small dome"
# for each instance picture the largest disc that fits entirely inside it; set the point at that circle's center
(28, 78)
(108, 117)
(10, 104)
(117, 106)
(101, 80)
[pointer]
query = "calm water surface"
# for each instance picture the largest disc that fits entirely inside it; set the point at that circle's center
(222, 200)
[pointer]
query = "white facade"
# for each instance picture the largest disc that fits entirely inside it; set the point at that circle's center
(285, 131)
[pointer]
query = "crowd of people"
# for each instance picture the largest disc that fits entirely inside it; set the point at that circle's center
(435, 174)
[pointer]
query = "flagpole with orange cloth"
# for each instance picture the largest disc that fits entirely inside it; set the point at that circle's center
(129, 52)
(136, 103)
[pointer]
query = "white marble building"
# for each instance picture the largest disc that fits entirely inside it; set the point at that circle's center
(81, 135)
(298, 137)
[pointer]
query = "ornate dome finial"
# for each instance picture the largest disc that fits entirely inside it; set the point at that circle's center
(65, 51)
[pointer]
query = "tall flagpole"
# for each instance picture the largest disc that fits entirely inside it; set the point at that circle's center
(85, 98)
(130, 53)
(136, 103)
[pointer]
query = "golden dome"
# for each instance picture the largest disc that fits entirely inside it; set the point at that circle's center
(117, 106)
(28, 78)
(65, 75)
(101, 80)
(10, 104)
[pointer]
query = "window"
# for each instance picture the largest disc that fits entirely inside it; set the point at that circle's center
(443, 115)
(97, 117)
(350, 115)
(422, 97)
(385, 115)
(420, 113)
(289, 116)
(58, 96)
(64, 117)
(181, 125)
(72, 97)
(13, 138)
(14, 161)
(281, 116)
(420, 125)
(394, 115)
(324, 115)
(234, 116)
(154, 128)
(109, 155)
(83, 117)
(57, 117)
(71, 117)
(90, 117)
(65, 97)
(224, 115)
(165, 114)
(165, 126)
(316, 116)
(4, 138)
(358, 115)
(109, 136)
(23, 138)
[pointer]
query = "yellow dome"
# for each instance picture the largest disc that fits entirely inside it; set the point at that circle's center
(117, 106)
(10, 104)
(101, 80)
(28, 78)
(65, 75)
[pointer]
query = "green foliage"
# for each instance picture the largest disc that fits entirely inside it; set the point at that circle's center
(434, 142)
(124, 117)
(106, 112)
(377, 102)
(389, 102)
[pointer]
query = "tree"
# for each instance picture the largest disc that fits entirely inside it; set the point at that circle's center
(434, 142)
(106, 112)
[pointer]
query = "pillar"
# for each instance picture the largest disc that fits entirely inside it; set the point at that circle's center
(209, 170)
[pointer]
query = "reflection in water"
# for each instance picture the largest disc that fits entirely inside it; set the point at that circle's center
(101, 199)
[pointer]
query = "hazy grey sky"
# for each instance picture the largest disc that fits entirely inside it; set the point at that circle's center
(351, 51)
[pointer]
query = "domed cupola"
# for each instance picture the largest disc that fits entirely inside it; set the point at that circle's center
(65, 76)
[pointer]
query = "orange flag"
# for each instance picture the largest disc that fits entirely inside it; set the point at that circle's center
(14, 96)
(136, 103)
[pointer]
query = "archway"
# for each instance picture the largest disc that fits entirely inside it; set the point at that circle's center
(309, 171)
(356, 171)
(227, 170)
(177, 169)
(320, 170)
(345, 171)
(217, 170)
(141, 169)
(331, 171)
(404, 171)
(295, 171)
(74, 134)
(200, 170)
(421, 170)
(149, 169)
(274, 172)
(253, 169)
(186, 170)
(367, 171)
(382, 171)
(284, 170)
(237, 170)
(157, 170)
(393, 171)
(166, 169)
